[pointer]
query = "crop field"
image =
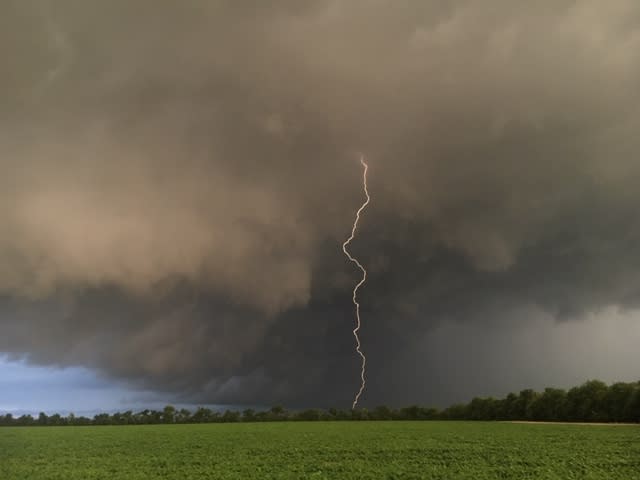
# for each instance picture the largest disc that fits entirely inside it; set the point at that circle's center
(322, 450)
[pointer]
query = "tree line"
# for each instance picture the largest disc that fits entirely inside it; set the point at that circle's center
(593, 401)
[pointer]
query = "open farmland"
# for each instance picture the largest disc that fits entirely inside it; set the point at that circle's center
(336, 450)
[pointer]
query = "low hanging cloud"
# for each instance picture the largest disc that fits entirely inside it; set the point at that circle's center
(177, 179)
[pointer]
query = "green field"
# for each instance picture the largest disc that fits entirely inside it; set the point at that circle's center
(322, 450)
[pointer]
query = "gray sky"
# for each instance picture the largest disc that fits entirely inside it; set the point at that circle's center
(31, 389)
(178, 177)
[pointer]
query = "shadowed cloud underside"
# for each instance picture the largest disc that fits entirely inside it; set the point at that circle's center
(177, 177)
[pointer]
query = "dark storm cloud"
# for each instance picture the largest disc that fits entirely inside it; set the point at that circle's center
(177, 179)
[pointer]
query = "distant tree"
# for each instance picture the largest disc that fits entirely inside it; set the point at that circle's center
(360, 414)
(587, 403)
(458, 411)
(618, 398)
(230, 416)
(128, 418)
(509, 407)
(249, 415)
(483, 409)
(202, 415)
(430, 413)
(168, 414)
(325, 416)
(43, 419)
(102, 419)
(25, 420)
(277, 413)
(524, 404)
(409, 413)
(551, 405)
(55, 420)
(262, 416)
(155, 416)
(81, 420)
(337, 414)
(142, 418)
(382, 412)
(632, 407)
(118, 419)
(183, 416)
(591, 401)
(309, 415)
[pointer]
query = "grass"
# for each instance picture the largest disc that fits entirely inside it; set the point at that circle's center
(349, 450)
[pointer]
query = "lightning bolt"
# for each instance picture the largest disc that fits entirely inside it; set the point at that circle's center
(364, 279)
